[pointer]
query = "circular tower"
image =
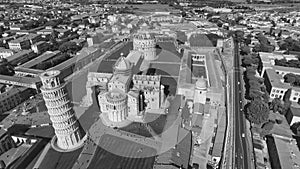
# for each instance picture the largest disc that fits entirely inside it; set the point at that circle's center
(145, 43)
(117, 106)
(68, 131)
(200, 91)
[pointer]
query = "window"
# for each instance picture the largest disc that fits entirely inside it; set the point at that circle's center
(272, 95)
(296, 94)
(277, 91)
(280, 97)
(294, 98)
(276, 95)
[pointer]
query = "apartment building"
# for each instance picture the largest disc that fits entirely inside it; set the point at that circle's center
(40, 47)
(13, 97)
(277, 88)
(4, 53)
(19, 44)
(24, 42)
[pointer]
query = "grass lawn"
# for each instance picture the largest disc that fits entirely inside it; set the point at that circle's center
(166, 69)
(199, 71)
(58, 160)
(156, 121)
(137, 128)
(118, 153)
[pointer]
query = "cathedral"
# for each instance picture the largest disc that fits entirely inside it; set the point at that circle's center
(122, 96)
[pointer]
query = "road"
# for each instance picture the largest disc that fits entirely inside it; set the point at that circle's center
(241, 150)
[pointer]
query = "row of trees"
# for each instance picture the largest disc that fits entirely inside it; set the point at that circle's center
(290, 44)
(69, 47)
(287, 63)
(257, 110)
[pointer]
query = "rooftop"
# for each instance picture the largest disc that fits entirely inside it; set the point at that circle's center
(275, 79)
(24, 38)
(288, 152)
(19, 54)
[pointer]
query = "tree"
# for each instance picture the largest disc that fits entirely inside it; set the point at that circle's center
(296, 128)
(245, 50)
(257, 111)
(69, 47)
(239, 35)
(267, 127)
(248, 39)
(247, 61)
(266, 47)
(2, 164)
(257, 48)
(276, 105)
(255, 94)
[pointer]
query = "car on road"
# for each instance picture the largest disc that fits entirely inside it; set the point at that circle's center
(243, 134)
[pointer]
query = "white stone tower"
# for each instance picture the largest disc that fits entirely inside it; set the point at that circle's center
(200, 91)
(68, 131)
(145, 43)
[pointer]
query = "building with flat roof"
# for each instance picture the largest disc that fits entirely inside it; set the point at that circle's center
(283, 152)
(42, 58)
(293, 115)
(21, 57)
(40, 47)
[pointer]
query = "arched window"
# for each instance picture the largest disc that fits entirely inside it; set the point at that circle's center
(52, 84)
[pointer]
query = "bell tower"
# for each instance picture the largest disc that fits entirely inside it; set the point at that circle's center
(68, 131)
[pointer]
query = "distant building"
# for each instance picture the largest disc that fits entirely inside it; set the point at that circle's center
(19, 44)
(16, 27)
(13, 97)
(4, 53)
(63, 32)
(40, 47)
(24, 42)
(293, 115)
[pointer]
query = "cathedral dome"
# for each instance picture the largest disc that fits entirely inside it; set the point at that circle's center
(201, 83)
(122, 66)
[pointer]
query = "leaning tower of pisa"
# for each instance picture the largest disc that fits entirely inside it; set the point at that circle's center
(68, 131)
